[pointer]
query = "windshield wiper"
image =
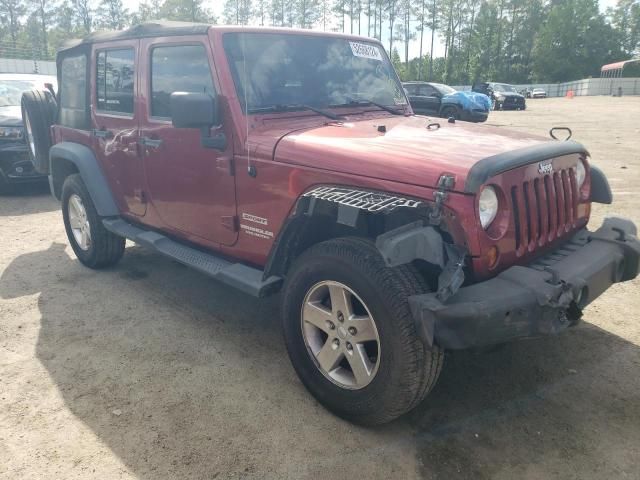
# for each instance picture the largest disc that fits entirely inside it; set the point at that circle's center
(296, 106)
(365, 102)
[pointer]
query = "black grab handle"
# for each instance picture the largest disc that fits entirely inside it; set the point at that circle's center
(566, 129)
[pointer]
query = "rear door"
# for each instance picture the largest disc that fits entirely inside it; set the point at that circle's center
(192, 188)
(115, 122)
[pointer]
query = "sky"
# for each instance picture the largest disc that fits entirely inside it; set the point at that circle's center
(414, 46)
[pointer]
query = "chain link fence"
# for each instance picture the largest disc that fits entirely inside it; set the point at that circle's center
(18, 58)
(14, 65)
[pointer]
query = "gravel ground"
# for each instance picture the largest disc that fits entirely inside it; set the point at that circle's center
(150, 370)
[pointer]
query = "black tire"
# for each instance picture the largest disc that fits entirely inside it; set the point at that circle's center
(39, 112)
(448, 112)
(105, 248)
(5, 187)
(407, 368)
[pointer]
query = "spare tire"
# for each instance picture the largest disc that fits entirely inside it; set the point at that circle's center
(39, 111)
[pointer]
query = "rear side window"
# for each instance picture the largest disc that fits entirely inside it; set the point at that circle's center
(179, 68)
(73, 92)
(427, 91)
(115, 77)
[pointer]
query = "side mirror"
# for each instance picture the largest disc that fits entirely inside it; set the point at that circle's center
(197, 110)
(193, 110)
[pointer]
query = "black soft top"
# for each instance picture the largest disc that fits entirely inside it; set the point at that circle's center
(149, 29)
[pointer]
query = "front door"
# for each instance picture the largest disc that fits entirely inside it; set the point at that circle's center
(428, 99)
(191, 187)
(115, 121)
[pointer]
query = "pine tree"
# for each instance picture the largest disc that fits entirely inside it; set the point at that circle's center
(112, 15)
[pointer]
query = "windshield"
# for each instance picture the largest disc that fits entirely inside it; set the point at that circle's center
(444, 89)
(11, 91)
(503, 87)
(278, 71)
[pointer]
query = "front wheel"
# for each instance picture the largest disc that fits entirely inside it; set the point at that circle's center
(449, 112)
(5, 188)
(93, 244)
(350, 334)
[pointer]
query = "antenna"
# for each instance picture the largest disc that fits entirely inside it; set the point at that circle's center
(251, 170)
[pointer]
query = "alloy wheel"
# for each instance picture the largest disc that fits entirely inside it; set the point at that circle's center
(340, 335)
(79, 222)
(29, 134)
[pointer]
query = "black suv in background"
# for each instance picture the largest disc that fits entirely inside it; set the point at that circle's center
(15, 164)
(503, 95)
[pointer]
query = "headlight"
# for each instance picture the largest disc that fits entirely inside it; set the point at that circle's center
(581, 173)
(500, 97)
(487, 206)
(10, 133)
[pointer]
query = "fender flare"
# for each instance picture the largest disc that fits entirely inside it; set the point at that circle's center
(85, 161)
(600, 189)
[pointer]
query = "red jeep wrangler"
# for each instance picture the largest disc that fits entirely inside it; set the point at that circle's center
(290, 160)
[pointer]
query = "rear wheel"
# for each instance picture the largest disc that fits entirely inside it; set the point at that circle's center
(93, 244)
(350, 334)
(38, 114)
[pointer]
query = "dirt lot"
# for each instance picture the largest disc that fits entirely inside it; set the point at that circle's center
(150, 370)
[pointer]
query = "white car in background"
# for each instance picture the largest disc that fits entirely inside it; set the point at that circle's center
(538, 93)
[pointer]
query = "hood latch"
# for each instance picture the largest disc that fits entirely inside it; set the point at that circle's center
(446, 182)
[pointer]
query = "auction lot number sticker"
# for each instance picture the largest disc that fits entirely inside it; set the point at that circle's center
(366, 51)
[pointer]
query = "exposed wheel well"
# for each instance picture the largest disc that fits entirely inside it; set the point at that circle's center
(316, 221)
(61, 168)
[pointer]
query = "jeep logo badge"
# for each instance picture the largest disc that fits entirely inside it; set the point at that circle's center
(545, 167)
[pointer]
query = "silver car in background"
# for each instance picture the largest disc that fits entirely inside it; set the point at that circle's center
(538, 93)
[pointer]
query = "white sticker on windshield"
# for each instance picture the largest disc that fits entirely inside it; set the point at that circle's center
(366, 51)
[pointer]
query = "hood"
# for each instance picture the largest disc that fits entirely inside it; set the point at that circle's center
(469, 100)
(11, 116)
(508, 94)
(408, 152)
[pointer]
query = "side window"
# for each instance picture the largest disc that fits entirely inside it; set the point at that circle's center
(115, 77)
(411, 89)
(427, 91)
(73, 92)
(180, 68)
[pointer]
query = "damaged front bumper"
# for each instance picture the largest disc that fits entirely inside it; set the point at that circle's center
(542, 298)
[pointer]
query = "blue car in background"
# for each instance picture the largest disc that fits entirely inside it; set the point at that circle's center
(428, 98)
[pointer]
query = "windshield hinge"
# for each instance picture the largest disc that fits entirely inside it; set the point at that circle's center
(446, 182)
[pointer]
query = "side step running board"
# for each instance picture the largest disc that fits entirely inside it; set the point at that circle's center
(240, 276)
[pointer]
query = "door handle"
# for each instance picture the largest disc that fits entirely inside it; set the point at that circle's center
(102, 133)
(150, 142)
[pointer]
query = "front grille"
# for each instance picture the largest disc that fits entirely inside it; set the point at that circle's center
(513, 101)
(544, 209)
